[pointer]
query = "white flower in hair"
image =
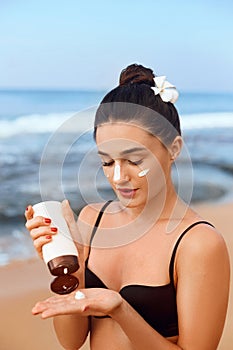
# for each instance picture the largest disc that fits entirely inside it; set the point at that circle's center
(167, 91)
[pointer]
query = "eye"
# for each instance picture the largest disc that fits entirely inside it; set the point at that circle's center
(107, 163)
(138, 162)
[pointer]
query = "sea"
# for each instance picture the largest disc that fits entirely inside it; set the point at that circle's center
(47, 152)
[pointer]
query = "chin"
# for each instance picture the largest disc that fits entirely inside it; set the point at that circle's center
(132, 202)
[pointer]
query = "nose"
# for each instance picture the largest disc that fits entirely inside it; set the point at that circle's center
(117, 172)
(120, 173)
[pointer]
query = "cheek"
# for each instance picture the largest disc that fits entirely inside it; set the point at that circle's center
(156, 178)
(151, 168)
(160, 166)
(106, 172)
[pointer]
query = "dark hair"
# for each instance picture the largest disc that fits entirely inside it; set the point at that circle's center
(127, 102)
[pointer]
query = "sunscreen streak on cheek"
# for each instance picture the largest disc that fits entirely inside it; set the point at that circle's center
(117, 173)
(143, 172)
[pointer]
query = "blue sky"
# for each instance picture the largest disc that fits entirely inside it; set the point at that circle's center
(85, 44)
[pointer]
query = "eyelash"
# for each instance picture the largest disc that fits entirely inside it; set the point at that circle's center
(105, 164)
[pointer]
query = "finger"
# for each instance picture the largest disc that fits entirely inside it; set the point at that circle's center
(40, 242)
(40, 306)
(29, 212)
(47, 309)
(43, 231)
(37, 222)
(64, 305)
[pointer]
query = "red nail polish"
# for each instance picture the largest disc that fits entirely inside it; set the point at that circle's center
(48, 237)
(53, 229)
(47, 221)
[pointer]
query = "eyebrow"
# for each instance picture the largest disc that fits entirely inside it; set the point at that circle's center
(127, 151)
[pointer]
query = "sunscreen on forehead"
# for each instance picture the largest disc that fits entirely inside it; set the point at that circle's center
(117, 173)
(143, 172)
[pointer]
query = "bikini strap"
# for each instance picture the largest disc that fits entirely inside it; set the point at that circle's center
(172, 261)
(99, 217)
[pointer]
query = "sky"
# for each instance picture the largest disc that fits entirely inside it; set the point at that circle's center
(74, 44)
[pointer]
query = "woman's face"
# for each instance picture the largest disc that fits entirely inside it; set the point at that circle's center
(136, 163)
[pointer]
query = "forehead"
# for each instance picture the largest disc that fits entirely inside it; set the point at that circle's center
(121, 136)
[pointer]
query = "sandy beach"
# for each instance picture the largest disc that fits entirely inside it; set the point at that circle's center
(24, 283)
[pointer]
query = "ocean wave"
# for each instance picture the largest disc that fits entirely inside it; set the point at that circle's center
(207, 120)
(16, 246)
(81, 121)
(46, 123)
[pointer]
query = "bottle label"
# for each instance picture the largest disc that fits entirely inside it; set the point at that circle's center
(62, 242)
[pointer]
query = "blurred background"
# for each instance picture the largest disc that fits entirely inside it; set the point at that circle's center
(59, 58)
(57, 61)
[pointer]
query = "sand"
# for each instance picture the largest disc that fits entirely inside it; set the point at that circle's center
(24, 283)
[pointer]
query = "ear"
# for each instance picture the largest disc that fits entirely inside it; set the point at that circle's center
(175, 147)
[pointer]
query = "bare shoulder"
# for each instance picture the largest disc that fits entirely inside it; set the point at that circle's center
(203, 244)
(204, 237)
(89, 213)
(203, 275)
(86, 222)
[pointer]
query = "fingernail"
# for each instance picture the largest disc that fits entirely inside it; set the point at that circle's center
(48, 237)
(26, 208)
(53, 229)
(34, 312)
(47, 220)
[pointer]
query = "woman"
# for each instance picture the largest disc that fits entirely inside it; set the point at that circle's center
(153, 274)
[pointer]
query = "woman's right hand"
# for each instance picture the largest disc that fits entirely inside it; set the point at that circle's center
(41, 233)
(40, 229)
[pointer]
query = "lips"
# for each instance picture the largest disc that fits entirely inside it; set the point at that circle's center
(126, 192)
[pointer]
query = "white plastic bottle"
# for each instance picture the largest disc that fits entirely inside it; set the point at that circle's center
(60, 254)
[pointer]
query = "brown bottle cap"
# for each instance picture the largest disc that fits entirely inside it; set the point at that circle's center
(58, 265)
(64, 284)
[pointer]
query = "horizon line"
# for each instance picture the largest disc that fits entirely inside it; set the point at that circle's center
(80, 89)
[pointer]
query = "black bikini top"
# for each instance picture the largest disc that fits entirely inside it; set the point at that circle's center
(156, 304)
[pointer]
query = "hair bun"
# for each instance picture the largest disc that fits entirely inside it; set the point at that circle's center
(137, 74)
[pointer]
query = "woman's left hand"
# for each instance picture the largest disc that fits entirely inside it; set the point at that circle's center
(97, 302)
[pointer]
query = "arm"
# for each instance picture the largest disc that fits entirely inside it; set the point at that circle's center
(71, 330)
(202, 296)
(141, 335)
(203, 289)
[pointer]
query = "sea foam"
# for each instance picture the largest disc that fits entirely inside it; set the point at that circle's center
(46, 123)
(207, 121)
